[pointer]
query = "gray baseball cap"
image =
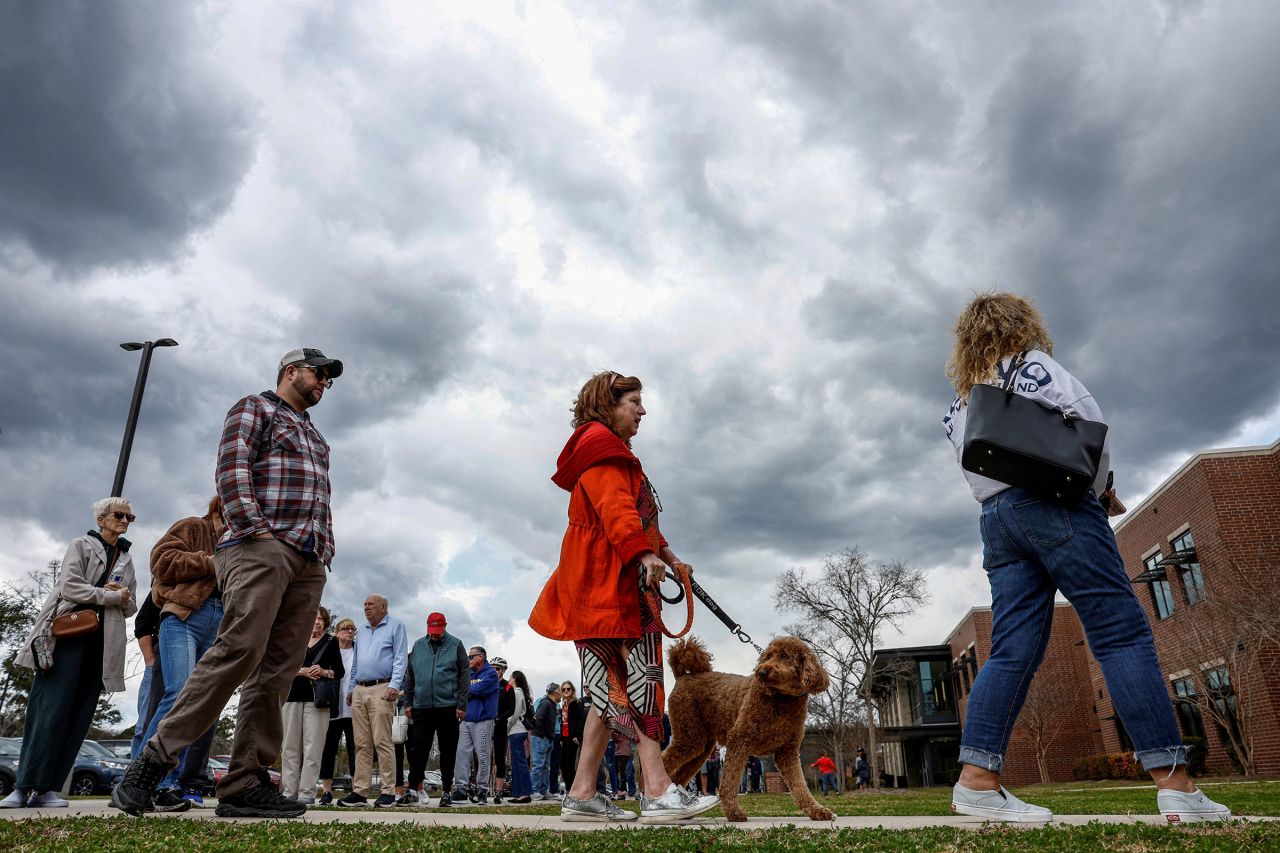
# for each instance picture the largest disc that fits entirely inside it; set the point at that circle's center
(313, 357)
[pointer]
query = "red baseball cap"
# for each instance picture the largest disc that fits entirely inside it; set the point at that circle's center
(435, 624)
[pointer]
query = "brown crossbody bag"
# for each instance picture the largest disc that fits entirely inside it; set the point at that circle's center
(82, 621)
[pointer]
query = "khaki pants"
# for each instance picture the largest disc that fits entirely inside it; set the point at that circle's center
(371, 715)
(270, 593)
(305, 730)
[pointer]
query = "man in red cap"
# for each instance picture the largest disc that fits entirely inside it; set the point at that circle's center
(437, 682)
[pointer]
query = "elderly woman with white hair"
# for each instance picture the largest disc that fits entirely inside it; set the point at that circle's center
(75, 659)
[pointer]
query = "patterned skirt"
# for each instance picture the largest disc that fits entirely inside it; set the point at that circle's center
(625, 679)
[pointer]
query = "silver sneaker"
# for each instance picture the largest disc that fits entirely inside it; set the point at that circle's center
(675, 804)
(1180, 807)
(996, 805)
(17, 799)
(597, 809)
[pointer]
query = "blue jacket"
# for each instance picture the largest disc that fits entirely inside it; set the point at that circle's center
(482, 699)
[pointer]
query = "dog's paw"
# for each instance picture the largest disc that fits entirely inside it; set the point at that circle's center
(821, 813)
(735, 814)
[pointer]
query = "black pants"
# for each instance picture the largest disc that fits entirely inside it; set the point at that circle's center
(500, 748)
(428, 723)
(60, 708)
(554, 772)
(399, 749)
(338, 728)
(568, 761)
(194, 763)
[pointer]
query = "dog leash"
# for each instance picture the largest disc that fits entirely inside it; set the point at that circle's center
(693, 586)
(683, 581)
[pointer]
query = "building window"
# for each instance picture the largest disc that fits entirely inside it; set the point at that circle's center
(1189, 567)
(1223, 697)
(933, 689)
(1187, 704)
(1161, 592)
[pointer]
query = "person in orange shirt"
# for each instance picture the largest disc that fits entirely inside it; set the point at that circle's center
(826, 773)
(593, 598)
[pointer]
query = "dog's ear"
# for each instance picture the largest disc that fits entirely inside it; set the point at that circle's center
(813, 676)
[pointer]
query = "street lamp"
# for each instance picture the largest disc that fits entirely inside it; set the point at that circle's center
(131, 424)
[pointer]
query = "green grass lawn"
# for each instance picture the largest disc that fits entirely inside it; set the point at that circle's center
(59, 835)
(1074, 798)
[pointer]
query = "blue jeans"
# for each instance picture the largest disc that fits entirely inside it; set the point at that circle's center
(181, 646)
(827, 783)
(541, 764)
(144, 706)
(1033, 548)
(521, 784)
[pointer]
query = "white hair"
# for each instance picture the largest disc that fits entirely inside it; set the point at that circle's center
(107, 505)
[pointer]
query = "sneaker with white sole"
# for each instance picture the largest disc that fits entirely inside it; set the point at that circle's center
(598, 809)
(46, 800)
(17, 799)
(996, 805)
(1180, 807)
(675, 804)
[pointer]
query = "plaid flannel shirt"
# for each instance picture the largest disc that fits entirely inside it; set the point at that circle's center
(273, 476)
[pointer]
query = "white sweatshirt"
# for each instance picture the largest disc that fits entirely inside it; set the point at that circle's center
(516, 724)
(1040, 378)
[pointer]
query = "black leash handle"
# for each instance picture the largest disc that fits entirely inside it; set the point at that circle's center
(734, 628)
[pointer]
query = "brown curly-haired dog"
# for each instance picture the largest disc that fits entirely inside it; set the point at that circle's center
(759, 714)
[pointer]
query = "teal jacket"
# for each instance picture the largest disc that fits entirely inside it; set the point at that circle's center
(438, 675)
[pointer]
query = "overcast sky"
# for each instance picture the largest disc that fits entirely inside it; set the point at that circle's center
(771, 213)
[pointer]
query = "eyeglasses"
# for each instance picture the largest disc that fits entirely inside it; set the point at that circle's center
(121, 516)
(566, 689)
(348, 628)
(321, 375)
(475, 655)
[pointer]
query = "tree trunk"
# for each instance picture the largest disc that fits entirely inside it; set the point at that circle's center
(873, 755)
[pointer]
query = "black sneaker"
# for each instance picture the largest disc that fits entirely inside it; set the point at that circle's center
(259, 801)
(482, 798)
(383, 801)
(326, 799)
(444, 802)
(353, 801)
(170, 801)
(133, 793)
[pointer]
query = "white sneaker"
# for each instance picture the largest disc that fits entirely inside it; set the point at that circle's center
(675, 804)
(1179, 807)
(996, 805)
(17, 799)
(46, 800)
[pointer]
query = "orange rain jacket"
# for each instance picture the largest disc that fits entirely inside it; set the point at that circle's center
(594, 592)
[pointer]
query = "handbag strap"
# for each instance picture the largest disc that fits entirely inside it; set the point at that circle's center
(1014, 366)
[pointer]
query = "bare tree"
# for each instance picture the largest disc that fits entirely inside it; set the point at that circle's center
(19, 607)
(854, 600)
(1043, 715)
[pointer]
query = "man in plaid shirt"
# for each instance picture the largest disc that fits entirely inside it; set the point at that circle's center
(273, 477)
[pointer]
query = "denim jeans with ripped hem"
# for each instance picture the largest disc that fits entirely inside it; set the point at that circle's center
(1032, 549)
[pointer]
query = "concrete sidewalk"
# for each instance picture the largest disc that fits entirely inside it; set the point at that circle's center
(513, 819)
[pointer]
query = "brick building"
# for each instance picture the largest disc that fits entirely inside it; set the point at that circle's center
(1203, 551)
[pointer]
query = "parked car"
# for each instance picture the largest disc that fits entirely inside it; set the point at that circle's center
(121, 747)
(96, 771)
(10, 749)
(225, 760)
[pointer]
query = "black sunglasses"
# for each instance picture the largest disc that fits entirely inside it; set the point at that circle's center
(121, 516)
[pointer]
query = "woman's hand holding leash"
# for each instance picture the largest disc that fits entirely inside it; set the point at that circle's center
(655, 571)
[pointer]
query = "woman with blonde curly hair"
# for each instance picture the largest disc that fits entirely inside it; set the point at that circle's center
(593, 598)
(1034, 548)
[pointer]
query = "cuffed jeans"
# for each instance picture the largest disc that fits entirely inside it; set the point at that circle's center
(270, 593)
(182, 644)
(541, 764)
(1033, 548)
(474, 738)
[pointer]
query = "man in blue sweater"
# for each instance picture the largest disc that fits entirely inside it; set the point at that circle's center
(476, 735)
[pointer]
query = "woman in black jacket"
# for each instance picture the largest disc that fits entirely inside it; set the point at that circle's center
(573, 717)
(305, 725)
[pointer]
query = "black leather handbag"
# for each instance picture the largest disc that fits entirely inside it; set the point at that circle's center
(324, 691)
(1021, 442)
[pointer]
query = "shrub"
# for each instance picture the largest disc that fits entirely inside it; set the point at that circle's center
(1115, 765)
(1197, 753)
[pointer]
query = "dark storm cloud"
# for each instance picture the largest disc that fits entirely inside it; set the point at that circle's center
(119, 138)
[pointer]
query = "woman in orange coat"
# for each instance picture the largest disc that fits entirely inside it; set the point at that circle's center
(593, 598)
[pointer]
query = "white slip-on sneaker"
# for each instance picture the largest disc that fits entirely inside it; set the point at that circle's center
(46, 800)
(996, 805)
(17, 799)
(1180, 807)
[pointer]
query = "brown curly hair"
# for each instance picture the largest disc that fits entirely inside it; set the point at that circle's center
(599, 397)
(992, 326)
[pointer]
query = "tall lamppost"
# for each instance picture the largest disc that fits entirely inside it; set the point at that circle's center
(132, 423)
